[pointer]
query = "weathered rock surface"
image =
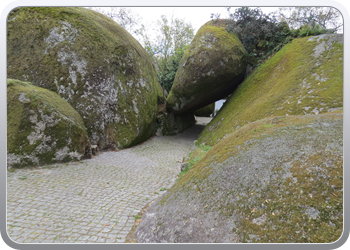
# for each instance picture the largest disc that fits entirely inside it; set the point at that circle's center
(206, 111)
(210, 69)
(42, 128)
(170, 124)
(278, 179)
(91, 62)
(304, 77)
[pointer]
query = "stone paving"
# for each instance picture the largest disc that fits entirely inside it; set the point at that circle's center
(95, 200)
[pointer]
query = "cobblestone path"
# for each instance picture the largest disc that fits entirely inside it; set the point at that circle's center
(95, 200)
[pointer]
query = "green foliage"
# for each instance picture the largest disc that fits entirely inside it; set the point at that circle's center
(172, 37)
(264, 34)
(137, 217)
(167, 75)
(307, 30)
(195, 156)
(259, 33)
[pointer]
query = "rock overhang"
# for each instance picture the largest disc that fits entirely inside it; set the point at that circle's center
(211, 68)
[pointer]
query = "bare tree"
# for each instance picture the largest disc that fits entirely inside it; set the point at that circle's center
(126, 17)
(169, 38)
(325, 17)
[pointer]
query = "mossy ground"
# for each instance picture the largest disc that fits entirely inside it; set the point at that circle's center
(279, 179)
(292, 82)
(47, 118)
(93, 63)
(195, 156)
(306, 207)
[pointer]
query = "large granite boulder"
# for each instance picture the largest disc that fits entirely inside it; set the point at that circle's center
(42, 128)
(304, 77)
(211, 68)
(91, 62)
(279, 179)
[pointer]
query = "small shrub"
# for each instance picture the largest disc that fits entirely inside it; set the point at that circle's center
(194, 158)
(136, 217)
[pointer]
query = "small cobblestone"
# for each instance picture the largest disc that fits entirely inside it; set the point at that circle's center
(94, 200)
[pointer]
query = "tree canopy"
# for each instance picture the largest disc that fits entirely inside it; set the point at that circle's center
(263, 34)
(169, 39)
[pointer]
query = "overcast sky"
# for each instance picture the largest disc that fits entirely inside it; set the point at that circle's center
(197, 16)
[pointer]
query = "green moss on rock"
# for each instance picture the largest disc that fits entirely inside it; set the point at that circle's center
(42, 128)
(207, 111)
(170, 124)
(279, 179)
(91, 62)
(212, 66)
(304, 77)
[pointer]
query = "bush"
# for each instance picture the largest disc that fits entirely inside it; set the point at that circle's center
(167, 77)
(262, 35)
(259, 33)
(307, 30)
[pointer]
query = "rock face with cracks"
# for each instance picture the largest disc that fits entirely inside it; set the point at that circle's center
(304, 77)
(210, 69)
(91, 62)
(278, 179)
(42, 128)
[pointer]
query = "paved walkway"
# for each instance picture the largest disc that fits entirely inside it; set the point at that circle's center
(96, 200)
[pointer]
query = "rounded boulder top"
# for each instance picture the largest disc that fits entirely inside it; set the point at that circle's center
(211, 68)
(42, 128)
(91, 62)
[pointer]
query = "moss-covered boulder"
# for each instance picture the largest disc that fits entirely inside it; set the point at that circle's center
(91, 62)
(211, 68)
(304, 77)
(42, 128)
(207, 111)
(279, 179)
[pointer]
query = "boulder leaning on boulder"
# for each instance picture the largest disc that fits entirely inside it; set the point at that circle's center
(304, 77)
(91, 62)
(42, 128)
(211, 68)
